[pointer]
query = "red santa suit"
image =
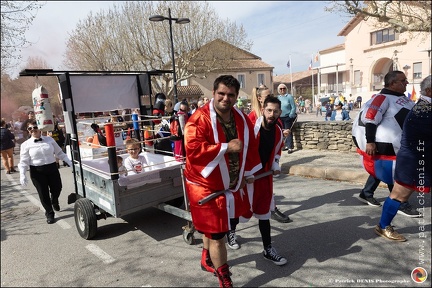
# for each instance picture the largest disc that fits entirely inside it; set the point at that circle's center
(260, 193)
(207, 168)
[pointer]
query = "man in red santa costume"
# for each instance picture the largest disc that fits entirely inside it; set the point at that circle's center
(269, 137)
(221, 153)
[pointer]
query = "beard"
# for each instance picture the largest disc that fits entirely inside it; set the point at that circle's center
(269, 123)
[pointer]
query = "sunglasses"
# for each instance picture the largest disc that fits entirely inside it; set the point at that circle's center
(32, 128)
(282, 88)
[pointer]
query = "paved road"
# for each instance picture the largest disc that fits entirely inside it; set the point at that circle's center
(330, 243)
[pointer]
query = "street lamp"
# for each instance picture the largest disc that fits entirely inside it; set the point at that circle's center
(158, 18)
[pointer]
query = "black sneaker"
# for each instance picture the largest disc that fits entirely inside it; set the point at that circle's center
(50, 219)
(369, 200)
(408, 211)
(232, 241)
(270, 254)
(279, 216)
(56, 207)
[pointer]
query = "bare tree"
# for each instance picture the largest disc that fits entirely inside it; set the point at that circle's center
(16, 17)
(124, 39)
(18, 92)
(404, 16)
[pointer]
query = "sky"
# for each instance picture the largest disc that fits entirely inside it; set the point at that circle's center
(280, 30)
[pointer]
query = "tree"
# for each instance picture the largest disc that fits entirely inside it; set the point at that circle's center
(16, 17)
(124, 39)
(18, 92)
(404, 16)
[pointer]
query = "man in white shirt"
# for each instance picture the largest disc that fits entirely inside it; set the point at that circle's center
(37, 154)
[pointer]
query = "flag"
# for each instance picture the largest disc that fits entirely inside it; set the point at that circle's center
(288, 64)
(316, 58)
(413, 95)
(310, 65)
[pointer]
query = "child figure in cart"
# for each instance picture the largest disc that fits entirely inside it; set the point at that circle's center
(134, 163)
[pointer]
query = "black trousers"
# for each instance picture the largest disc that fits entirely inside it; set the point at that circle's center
(47, 180)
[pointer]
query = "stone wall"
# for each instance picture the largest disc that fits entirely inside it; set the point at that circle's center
(324, 135)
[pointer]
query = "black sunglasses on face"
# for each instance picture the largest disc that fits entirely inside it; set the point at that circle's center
(32, 128)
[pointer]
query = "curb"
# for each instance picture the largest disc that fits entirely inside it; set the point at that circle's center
(335, 174)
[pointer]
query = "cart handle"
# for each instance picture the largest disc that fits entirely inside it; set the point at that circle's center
(218, 193)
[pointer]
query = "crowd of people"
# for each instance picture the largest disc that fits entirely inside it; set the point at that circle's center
(219, 145)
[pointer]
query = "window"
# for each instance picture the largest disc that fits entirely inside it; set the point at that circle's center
(385, 35)
(261, 79)
(357, 77)
(417, 70)
(391, 35)
(242, 79)
(378, 78)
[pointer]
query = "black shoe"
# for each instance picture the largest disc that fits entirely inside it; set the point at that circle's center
(285, 148)
(65, 164)
(279, 216)
(290, 151)
(56, 207)
(270, 253)
(50, 219)
(371, 201)
(13, 170)
(408, 211)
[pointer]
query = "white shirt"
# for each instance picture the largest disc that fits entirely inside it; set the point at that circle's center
(135, 166)
(338, 116)
(40, 153)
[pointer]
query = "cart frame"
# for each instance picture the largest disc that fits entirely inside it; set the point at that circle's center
(99, 195)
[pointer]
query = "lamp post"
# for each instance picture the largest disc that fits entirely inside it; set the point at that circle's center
(158, 18)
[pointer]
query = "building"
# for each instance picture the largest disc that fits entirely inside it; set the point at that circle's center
(301, 83)
(248, 68)
(358, 66)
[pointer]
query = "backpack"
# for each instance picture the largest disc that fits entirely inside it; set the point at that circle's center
(175, 130)
(175, 127)
(164, 146)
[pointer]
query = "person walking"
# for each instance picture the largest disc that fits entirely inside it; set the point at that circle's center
(30, 118)
(58, 136)
(269, 136)
(220, 153)
(377, 135)
(259, 95)
(17, 128)
(318, 108)
(413, 162)
(7, 141)
(37, 154)
(359, 100)
(177, 124)
(288, 116)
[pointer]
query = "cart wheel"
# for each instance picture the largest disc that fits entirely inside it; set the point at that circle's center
(85, 218)
(188, 237)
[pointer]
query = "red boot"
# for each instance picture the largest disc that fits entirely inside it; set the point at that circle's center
(223, 275)
(206, 263)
